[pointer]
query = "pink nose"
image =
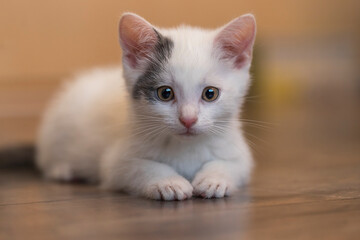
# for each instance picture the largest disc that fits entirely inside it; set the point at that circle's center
(188, 122)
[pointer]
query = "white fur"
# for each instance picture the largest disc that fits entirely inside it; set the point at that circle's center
(95, 130)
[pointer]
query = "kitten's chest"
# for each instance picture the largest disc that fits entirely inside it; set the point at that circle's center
(185, 158)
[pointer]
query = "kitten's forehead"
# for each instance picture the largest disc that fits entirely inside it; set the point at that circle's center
(190, 41)
(191, 56)
(183, 58)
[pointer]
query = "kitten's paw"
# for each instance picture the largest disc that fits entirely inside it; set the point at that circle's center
(60, 172)
(212, 187)
(173, 188)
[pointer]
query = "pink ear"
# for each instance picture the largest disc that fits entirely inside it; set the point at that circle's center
(236, 40)
(137, 38)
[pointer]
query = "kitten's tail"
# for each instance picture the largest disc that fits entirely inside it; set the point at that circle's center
(22, 156)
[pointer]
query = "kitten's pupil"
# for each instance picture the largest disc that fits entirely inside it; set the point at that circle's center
(210, 93)
(166, 93)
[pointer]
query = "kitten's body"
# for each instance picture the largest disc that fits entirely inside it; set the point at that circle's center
(112, 129)
(87, 116)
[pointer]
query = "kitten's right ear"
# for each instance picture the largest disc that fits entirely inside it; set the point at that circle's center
(137, 38)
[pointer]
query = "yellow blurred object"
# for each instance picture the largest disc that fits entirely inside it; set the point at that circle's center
(280, 87)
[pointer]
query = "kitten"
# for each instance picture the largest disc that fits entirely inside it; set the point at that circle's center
(166, 126)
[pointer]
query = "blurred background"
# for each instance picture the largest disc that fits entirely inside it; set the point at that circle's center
(306, 67)
(302, 120)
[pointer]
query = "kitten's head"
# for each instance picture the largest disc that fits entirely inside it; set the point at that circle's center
(187, 81)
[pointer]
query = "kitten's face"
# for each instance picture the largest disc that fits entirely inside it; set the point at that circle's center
(185, 81)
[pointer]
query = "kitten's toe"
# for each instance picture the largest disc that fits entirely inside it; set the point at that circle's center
(182, 194)
(175, 188)
(212, 187)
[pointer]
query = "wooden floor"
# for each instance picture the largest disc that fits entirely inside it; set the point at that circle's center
(306, 185)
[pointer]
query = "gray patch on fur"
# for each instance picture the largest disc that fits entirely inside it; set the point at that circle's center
(147, 83)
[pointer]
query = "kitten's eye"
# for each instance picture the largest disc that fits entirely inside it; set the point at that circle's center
(210, 94)
(165, 93)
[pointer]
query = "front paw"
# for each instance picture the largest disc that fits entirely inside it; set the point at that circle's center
(212, 186)
(171, 188)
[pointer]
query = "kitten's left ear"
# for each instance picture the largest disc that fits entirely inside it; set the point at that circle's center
(236, 39)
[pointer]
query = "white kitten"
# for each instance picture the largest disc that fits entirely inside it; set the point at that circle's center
(170, 130)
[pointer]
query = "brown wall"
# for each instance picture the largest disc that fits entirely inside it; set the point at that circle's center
(47, 38)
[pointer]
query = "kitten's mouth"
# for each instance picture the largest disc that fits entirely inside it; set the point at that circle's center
(188, 133)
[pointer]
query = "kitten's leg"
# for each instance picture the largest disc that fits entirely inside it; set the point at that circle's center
(220, 178)
(146, 178)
